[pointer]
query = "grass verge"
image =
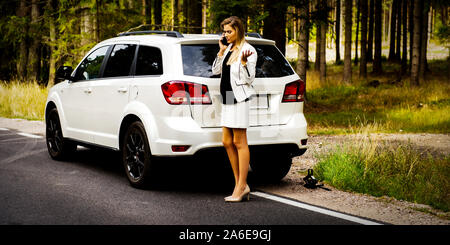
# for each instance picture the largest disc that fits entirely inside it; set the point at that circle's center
(375, 167)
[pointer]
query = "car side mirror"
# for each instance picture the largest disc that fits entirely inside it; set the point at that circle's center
(64, 73)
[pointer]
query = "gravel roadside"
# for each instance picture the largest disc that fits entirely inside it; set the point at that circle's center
(385, 209)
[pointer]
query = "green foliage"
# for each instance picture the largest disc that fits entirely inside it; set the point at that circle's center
(244, 9)
(443, 34)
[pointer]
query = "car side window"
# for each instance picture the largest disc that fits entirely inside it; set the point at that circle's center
(90, 67)
(120, 61)
(149, 61)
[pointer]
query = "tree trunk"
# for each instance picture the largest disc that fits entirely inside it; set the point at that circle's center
(275, 23)
(424, 41)
(52, 30)
(204, 10)
(147, 11)
(323, 42)
(86, 25)
(393, 32)
(399, 30)
(318, 46)
(411, 31)
(303, 41)
(387, 15)
(97, 20)
(377, 69)
(444, 15)
(34, 51)
(357, 31)
(316, 6)
(195, 16)
(416, 43)
(405, 36)
(22, 12)
(175, 12)
(370, 38)
(363, 64)
(186, 15)
(348, 42)
(157, 7)
(338, 30)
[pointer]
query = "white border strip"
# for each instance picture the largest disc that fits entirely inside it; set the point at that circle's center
(4, 129)
(30, 135)
(315, 209)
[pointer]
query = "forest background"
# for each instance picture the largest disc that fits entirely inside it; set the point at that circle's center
(37, 36)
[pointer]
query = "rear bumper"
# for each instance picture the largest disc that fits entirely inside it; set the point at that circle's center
(217, 156)
(185, 131)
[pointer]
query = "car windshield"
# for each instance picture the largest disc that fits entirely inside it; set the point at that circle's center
(198, 59)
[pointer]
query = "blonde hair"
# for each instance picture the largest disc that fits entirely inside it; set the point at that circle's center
(237, 25)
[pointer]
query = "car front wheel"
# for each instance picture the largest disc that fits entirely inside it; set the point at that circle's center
(58, 147)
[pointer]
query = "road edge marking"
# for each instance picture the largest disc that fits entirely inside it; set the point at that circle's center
(315, 209)
(30, 135)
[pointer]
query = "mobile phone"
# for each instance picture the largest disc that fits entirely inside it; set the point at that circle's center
(224, 41)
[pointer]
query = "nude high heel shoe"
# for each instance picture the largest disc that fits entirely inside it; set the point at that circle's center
(239, 199)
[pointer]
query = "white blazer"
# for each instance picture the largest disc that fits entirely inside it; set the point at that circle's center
(241, 77)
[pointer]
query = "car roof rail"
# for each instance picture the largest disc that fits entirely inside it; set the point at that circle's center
(253, 34)
(248, 34)
(168, 33)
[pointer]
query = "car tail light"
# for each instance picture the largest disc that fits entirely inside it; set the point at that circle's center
(294, 92)
(182, 92)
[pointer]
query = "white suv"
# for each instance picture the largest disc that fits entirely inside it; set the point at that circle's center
(153, 96)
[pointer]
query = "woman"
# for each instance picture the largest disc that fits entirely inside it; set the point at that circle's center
(236, 62)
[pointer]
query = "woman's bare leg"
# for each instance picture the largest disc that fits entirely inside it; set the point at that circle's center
(240, 142)
(227, 140)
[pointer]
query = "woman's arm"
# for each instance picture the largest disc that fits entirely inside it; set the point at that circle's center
(217, 64)
(247, 69)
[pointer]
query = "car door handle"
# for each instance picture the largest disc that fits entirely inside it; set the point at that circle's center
(88, 90)
(122, 90)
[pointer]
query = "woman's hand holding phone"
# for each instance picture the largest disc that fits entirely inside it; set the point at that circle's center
(222, 46)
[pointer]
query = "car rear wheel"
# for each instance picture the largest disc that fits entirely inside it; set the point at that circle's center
(136, 156)
(58, 147)
(270, 168)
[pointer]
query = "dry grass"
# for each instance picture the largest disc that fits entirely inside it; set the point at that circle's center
(334, 107)
(22, 100)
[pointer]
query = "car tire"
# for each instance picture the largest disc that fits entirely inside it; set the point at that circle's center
(58, 147)
(136, 156)
(270, 168)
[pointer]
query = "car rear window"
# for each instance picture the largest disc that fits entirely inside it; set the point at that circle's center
(149, 61)
(198, 59)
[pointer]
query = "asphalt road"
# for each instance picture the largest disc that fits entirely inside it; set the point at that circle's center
(92, 189)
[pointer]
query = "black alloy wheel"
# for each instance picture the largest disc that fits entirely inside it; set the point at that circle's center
(136, 155)
(270, 167)
(58, 147)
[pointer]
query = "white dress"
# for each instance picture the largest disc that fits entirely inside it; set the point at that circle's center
(235, 115)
